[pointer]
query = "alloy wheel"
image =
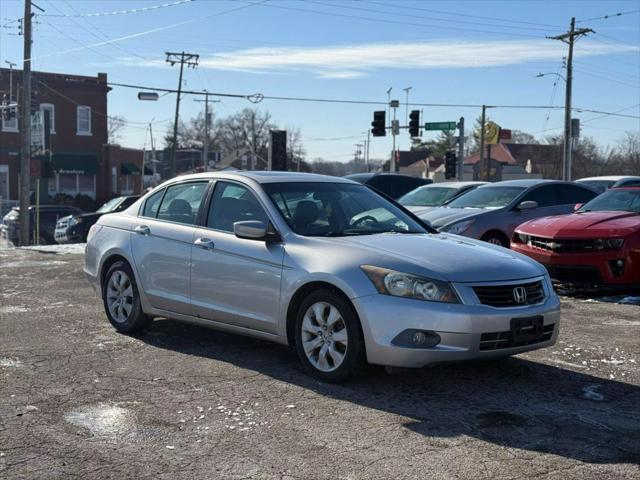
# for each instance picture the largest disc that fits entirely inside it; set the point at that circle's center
(120, 296)
(324, 336)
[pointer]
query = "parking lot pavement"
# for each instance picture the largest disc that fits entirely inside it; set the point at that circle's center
(78, 400)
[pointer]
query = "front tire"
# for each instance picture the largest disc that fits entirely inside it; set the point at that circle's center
(122, 300)
(496, 238)
(328, 337)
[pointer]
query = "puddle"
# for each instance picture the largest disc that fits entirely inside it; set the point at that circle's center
(105, 420)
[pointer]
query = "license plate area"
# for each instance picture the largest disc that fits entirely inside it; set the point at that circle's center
(527, 329)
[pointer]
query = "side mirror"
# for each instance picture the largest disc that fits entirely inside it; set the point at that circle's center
(527, 205)
(577, 206)
(255, 230)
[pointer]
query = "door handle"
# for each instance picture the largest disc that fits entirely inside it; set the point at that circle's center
(205, 243)
(142, 230)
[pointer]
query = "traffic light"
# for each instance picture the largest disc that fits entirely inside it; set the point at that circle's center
(379, 124)
(279, 150)
(450, 164)
(414, 123)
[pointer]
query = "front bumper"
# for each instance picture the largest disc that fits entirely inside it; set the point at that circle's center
(593, 268)
(66, 235)
(460, 327)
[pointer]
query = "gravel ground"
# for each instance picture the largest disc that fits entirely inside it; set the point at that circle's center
(78, 400)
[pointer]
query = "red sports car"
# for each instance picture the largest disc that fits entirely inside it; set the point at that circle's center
(598, 244)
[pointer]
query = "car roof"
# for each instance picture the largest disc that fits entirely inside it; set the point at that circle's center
(525, 182)
(606, 178)
(453, 184)
(266, 176)
(626, 187)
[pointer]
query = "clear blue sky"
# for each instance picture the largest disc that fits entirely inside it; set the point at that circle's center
(461, 52)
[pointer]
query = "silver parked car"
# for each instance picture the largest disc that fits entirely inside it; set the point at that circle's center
(320, 263)
(427, 197)
(492, 212)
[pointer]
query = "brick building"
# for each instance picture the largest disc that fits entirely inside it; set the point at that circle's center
(77, 106)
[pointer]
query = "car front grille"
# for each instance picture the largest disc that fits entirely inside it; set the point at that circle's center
(505, 295)
(500, 340)
(564, 245)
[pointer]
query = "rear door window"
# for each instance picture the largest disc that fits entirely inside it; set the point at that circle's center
(571, 194)
(545, 196)
(182, 202)
(152, 204)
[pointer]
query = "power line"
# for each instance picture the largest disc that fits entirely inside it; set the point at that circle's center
(413, 15)
(153, 30)
(456, 14)
(119, 12)
(258, 97)
(608, 79)
(607, 17)
(396, 22)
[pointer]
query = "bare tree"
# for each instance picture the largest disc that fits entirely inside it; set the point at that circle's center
(115, 124)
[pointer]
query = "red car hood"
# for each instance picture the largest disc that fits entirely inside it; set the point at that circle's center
(584, 225)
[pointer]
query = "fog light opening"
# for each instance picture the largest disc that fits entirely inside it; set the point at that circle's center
(413, 338)
(617, 267)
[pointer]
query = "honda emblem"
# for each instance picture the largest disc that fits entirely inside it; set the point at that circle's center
(520, 294)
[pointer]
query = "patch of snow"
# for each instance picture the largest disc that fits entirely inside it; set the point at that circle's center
(13, 309)
(72, 248)
(590, 392)
(10, 362)
(630, 301)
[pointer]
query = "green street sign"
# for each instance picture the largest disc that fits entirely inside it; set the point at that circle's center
(440, 125)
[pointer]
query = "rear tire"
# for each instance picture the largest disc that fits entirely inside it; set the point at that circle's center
(328, 337)
(122, 300)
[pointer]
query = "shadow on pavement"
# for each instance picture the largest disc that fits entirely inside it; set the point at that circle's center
(515, 403)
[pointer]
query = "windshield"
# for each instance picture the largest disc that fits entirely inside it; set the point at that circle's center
(338, 209)
(598, 185)
(110, 205)
(614, 200)
(487, 197)
(428, 196)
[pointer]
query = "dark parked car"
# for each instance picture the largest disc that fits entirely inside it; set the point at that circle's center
(74, 228)
(424, 198)
(391, 184)
(49, 215)
(492, 212)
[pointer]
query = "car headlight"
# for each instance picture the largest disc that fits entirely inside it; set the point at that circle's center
(399, 284)
(615, 243)
(73, 221)
(458, 228)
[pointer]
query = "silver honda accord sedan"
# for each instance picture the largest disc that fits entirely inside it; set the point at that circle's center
(323, 264)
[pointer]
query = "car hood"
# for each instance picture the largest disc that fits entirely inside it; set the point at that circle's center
(584, 225)
(418, 210)
(456, 258)
(441, 216)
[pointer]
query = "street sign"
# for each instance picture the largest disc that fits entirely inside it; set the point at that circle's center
(505, 134)
(491, 133)
(149, 96)
(440, 125)
(37, 133)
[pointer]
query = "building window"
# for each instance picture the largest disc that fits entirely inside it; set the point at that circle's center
(49, 107)
(114, 180)
(10, 125)
(84, 120)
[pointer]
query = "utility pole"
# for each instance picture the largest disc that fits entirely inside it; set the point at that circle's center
(460, 148)
(394, 131)
(207, 125)
(191, 60)
(569, 38)
(366, 162)
(482, 122)
(25, 129)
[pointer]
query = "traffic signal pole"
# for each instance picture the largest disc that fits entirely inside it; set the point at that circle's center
(25, 129)
(460, 148)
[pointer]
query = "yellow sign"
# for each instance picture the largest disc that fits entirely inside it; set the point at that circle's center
(491, 133)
